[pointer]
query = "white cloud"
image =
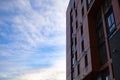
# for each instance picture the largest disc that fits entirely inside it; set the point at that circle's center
(55, 72)
(35, 24)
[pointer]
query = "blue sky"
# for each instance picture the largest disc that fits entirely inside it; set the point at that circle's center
(32, 39)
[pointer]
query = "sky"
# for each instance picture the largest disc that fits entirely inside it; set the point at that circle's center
(33, 39)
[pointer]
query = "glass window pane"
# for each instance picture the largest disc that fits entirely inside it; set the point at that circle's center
(101, 32)
(99, 78)
(89, 1)
(112, 18)
(109, 21)
(103, 53)
(107, 78)
(112, 27)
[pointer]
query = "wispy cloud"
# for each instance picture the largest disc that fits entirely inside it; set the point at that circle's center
(52, 73)
(32, 39)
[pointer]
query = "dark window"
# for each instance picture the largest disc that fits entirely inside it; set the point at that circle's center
(99, 25)
(119, 2)
(71, 30)
(82, 3)
(105, 74)
(71, 21)
(103, 53)
(75, 41)
(99, 77)
(86, 61)
(113, 71)
(101, 38)
(82, 7)
(98, 18)
(82, 11)
(99, 28)
(74, 5)
(107, 6)
(75, 12)
(81, 30)
(76, 24)
(76, 56)
(82, 45)
(100, 33)
(78, 69)
(73, 74)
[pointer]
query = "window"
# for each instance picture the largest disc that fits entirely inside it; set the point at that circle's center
(82, 7)
(100, 33)
(74, 5)
(119, 2)
(89, 2)
(99, 78)
(76, 24)
(110, 22)
(81, 30)
(113, 70)
(109, 16)
(81, 1)
(71, 17)
(107, 78)
(75, 12)
(99, 25)
(82, 45)
(73, 48)
(82, 4)
(103, 53)
(98, 18)
(76, 56)
(107, 6)
(71, 21)
(86, 61)
(75, 41)
(105, 74)
(82, 11)
(101, 38)
(73, 75)
(78, 69)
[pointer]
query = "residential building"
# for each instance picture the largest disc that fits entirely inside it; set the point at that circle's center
(92, 40)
